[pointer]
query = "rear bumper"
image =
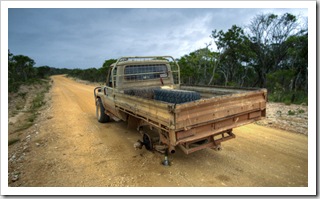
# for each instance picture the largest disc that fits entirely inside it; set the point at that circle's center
(207, 142)
(211, 135)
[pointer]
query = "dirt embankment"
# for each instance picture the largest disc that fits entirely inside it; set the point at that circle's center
(293, 118)
(68, 147)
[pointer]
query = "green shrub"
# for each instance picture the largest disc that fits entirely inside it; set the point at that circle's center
(279, 113)
(291, 112)
(287, 102)
(298, 97)
(22, 95)
(38, 101)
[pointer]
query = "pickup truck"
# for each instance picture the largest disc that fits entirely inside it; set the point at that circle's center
(146, 92)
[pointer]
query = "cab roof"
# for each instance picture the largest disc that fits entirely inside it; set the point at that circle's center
(139, 62)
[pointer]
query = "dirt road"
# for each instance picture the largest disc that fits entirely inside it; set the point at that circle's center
(68, 147)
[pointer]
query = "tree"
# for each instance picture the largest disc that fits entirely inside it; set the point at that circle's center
(43, 71)
(268, 33)
(22, 67)
(235, 54)
(104, 69)
(93, 74)
(187, 69)
(297, 60)
(198, 67)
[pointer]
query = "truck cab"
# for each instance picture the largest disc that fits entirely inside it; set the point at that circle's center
(132, 73)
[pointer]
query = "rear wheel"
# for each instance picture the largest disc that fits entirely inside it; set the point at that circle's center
(147, 141)
(101, 116)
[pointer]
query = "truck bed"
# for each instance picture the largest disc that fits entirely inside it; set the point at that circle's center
(221, 106)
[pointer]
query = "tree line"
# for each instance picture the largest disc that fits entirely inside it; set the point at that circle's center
(93, 74)
(22, 70)
(270, 52)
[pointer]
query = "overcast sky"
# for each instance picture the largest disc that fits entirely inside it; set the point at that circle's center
(83, 38)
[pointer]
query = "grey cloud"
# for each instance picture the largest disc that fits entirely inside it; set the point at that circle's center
(86, 37)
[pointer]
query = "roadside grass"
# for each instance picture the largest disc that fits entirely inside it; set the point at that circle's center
(22, 95)
(37, 102)
(13, 140)
(24, 126)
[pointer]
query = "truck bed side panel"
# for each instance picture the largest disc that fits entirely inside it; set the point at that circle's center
(155, 112)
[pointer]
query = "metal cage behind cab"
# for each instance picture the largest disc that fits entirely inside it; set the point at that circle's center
(146, 71)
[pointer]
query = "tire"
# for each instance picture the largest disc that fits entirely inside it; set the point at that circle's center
(147, 142)
(101, 116)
